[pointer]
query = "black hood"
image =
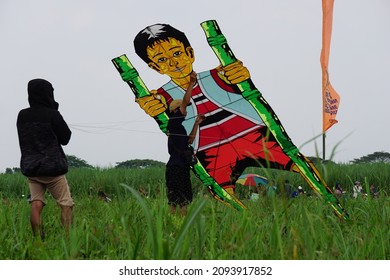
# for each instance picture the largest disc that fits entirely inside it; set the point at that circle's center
(40, 93)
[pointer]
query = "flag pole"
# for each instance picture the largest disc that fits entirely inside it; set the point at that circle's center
(323, 146)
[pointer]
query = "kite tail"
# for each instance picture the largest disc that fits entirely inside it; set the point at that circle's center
(218, 43)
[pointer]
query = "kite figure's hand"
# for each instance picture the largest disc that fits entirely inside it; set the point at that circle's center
(153, 104)
(234, 73)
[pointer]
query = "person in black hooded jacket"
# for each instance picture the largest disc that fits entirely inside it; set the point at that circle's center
(41, 131)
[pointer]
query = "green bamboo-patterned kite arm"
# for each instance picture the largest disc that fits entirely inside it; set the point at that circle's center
(123, 65)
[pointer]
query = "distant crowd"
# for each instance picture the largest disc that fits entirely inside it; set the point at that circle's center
(289, 191)
(357, 190)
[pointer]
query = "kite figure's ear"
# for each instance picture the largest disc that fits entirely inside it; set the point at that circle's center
(154, 66)
(190, 52)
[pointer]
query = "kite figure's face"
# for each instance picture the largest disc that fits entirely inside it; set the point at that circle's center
(171, 58)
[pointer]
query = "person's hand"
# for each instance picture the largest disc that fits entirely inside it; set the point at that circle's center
(234, 73)
(192, 78)
(153, 104)
(200, 118)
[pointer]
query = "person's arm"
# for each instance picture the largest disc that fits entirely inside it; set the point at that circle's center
(61, 129)
(192, 135)
(187, 95)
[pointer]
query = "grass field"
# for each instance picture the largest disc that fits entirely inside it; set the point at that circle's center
(136, 224)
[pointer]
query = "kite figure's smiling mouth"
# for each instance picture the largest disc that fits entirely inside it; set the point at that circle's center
(178, 69)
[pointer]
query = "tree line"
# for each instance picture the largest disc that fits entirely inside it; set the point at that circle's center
(75, 162)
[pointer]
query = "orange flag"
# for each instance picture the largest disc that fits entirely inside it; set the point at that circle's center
(330, 98)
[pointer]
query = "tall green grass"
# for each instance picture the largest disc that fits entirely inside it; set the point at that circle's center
(137, 223)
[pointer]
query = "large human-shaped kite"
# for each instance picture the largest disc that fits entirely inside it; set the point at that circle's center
(240, 129)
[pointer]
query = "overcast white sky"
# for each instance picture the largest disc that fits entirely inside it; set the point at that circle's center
(71, 44)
